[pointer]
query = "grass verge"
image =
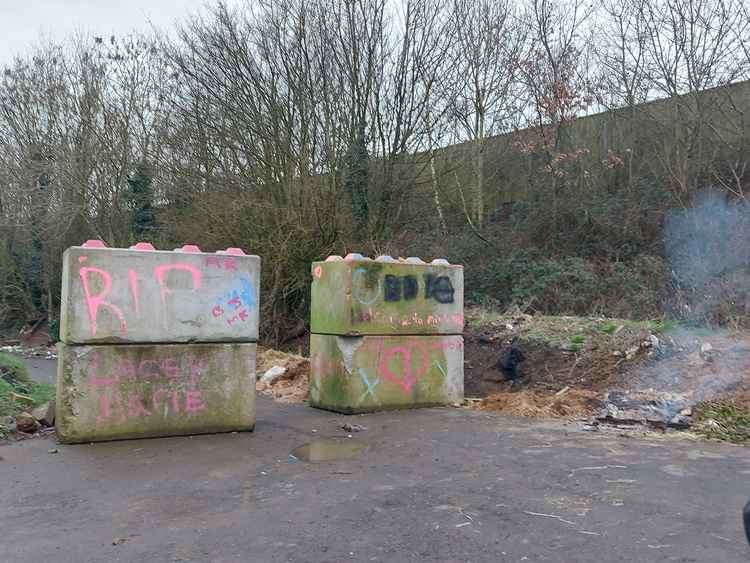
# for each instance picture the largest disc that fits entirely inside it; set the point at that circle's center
(14, 378)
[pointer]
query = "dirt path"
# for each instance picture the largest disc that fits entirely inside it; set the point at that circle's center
(435, 485)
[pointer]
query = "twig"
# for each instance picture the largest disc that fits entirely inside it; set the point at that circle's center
(560, 518)
(562, 391)
(599, 467)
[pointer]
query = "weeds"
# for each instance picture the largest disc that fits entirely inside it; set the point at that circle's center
(14, 378)
(723, 420)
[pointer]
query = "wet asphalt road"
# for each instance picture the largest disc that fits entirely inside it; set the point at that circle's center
(431, 485)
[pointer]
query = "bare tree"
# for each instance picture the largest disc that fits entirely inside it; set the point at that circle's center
(488, 49)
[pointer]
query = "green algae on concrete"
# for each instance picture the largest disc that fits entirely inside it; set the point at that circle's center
(371, 297)
(352, 374)
(113, 392)
(124, 296)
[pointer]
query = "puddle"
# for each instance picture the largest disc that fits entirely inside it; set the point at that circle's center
(328, 450)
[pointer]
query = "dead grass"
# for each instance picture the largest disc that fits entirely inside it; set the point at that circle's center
(570, 404)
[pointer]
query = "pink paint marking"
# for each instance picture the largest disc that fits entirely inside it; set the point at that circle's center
(213, 261)
(235, 251)
(410, 377)
(126, 369)
(94, 243)
(175, 401)
(93, 302)
(157, 399)
(93, 371)
(194, 402)
(133, 277)
(318, 272)
(104, 410)
(243, 314)
(170, 368)
(82, 259)
(197, 367)
(161, 273)
(143, 247)
(109, 403)
(230, 264)
(145, 371)
(217, 311)
(235, 302)
(136, 407)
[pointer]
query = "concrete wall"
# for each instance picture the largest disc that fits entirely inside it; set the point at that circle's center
(138, 296)
(386, 334)
(365, 373)
(360, 296)
(108, 392)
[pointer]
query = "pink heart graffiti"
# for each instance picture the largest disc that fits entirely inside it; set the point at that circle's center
(410, 376)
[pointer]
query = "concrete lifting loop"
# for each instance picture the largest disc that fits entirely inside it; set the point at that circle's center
(156, 343)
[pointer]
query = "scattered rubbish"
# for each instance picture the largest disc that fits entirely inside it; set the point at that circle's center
(329, 449)
(660, 410)
(353, 427)
(53, 451)
(26, 423)
(119, 541)
(285, 376)
(31, 352)
(273, 374)
(510, 360)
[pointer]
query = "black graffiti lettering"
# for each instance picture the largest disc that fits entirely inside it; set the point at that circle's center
(400, 287)
(411, 287)
(438, 288)
(392, 288)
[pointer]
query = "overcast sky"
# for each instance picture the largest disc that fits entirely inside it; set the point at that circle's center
(24, 22)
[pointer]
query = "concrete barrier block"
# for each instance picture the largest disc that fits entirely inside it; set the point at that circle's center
(356, 295)
(140, 295)
(352, 374)
(109, 392)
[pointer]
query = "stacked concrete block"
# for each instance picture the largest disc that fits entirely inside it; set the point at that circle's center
(156, 343)
(386, 333)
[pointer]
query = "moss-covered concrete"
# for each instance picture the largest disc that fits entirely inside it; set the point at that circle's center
(353, 297)
(368, 373)
(136, 391)
(114, 296)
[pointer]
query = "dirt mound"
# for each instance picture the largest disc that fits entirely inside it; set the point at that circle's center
(571, 403)
(558, 352)
(292, 385)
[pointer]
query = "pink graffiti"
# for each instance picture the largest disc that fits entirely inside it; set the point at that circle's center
(226, 263)
(173, 382)
(161, 272)
(94, 302)
(133, 278)
(405, 321)
(410, 359)
(114, 407)
(147, 369)
(410, 376)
